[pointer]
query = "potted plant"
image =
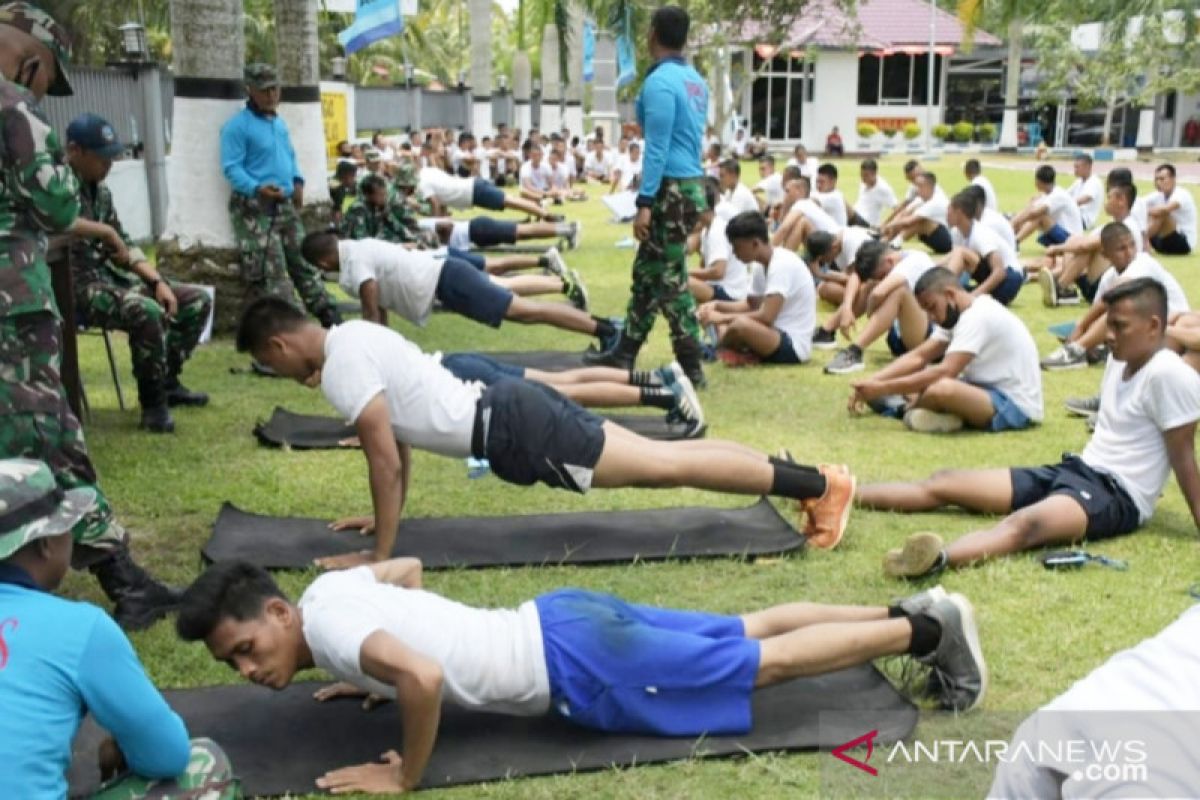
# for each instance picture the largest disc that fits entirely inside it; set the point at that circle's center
(941, 132)
(985, 133)
(866, 132)
(963, 131)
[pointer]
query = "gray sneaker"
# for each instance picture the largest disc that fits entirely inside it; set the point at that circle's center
(555, 263)
(1083, 406)
(920, 602)
(959, 671)
(1069, 356)
(575, 233)
(844, 362)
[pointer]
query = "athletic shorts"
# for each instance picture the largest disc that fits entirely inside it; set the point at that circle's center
(488, 232)
(1110, 509)
(719, 293)
(1173, 244)
(785, 353)
(1087, 287)
(1008, 415)
(465, 290)
(530, 433)
(1008, 289)
(478, 368)
(896, 344)
(486, 194)
(1056, 234)
(476, 260)
(624, 668)
(939, 241)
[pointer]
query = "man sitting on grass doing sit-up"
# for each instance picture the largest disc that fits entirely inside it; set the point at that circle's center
(979, 368)
(398, 397)
(776, 320)
(593, 659)
(1145, 429)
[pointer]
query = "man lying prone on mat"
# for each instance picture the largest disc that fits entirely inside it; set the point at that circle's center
(591, 658)
(397, 397)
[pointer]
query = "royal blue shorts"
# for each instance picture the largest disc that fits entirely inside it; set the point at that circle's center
(625, 668)
(1008, 415)
(488, 232)
(486, 194)
(476, 367)
(1056, 234)
(465, 290)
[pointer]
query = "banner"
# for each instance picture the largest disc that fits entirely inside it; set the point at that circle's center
(335, 120)
(626, 61)
(373, 20)
(589, 51)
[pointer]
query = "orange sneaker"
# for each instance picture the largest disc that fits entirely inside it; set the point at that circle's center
(829, 514)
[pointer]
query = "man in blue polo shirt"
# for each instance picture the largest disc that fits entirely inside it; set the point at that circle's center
(60, 660)
(268, 190)
(671, 110)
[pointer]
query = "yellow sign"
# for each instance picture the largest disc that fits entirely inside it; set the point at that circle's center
(337, 124)
(887, 124)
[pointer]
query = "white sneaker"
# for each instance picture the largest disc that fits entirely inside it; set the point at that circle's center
(555, 262)
(922, 420)
(1049, 288)
(1069, 356)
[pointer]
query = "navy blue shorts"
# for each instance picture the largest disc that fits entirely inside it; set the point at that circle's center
(1110, 510)
(896, 344)
(719, 293)
(486, 194)
(476, 367)
(476, 260)
(939, 241)
(1056, 234)
(465, 290)
(1008, 289)
(1087, 287)
(488, 232)
(785, 353)
(1173, 244)
(625, 668)
(530, 433)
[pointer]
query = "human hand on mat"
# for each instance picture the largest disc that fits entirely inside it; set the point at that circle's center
(381, 778)
(364, 525)
(346, 560)
(345, 689)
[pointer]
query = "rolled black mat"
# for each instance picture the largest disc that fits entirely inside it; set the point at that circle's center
(548, 360)
(584, 537)
(280, 742)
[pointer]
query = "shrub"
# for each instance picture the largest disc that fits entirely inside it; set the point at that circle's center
(911, 131)
(866, 130)
(963, 131)
(942, 131)
(986, 132)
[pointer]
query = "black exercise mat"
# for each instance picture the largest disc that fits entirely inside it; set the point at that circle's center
(585, 537)
(311, 432)
(547, 360)
(280, 742)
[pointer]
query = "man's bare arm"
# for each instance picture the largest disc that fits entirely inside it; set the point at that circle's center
(404, 571)
(1181, 451)
(385, 467)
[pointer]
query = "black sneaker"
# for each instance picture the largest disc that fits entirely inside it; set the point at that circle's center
(1098, 355)
(824, 340)
(958, 666)
(180, 395)
(845, 362)
(1068, 297)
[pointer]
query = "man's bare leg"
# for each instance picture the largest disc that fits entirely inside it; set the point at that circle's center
(832, 292)
(530, 285)
(537, 230)
(880, 322)
(707, 445)
(601, 395)
(749, 334)
(830, 646)
(799, 234)
(986, 491)
(630, 460)
(1058, 519)
(559, 315)
(701, 290)
(528, 206)
(577, 376)
(914, 322)
(966, 401)
(499, 265)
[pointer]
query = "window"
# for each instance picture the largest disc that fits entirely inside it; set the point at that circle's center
(868, 80)
(778, 95)
(897, 79)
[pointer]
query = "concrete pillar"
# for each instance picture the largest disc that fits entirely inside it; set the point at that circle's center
(155, 154)
(573, 91)
(300, 98)
(1145, 129)
(481, 67)
(521, 82)
(551, 81)
(604, 87)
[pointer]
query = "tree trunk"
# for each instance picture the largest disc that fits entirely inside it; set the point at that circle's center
(1012, 87)
(1106, 133)
(299, 74)
(481, 67)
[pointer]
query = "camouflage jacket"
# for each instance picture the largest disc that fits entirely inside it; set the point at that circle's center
(90, 261)
(393, 223)
(37, 196)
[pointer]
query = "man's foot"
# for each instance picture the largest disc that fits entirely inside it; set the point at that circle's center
(1068, 297)
(554, 264)
(180, 395)
(1083, 406)
(574, 289)
(574, 234)
(670, 374)
(140, 599)
(1069, 356)
(1098, 355)
(158, 419)
(922, 420)
(617, 351)
(890, 405)
(824, 340)
(959, 671)
(829, 514)
(845, 362)
(687, 403)
(922, 555)
(1045, 279)
(920, 602)
(554, 218)
(1092, 419)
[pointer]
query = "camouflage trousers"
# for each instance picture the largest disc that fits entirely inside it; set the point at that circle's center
(158, 345)
(660, 279)
(209, 776)
(36, 422)
(269, 236)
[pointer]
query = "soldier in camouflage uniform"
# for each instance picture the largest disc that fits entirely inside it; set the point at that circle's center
(164, 320)
(268, 189)
(38, 194)
(375, 215)
(61, 660)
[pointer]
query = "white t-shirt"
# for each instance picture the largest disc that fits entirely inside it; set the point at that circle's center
(808, 169)
(429, 408)
(912, 266)
(629, 170)
(852, 239)
(407, 279)
(935, 207)
(738, 146)
(460, 236)
(817, 215)
(989, 191)
(1062, 209)
(491, 659)
(561, 175)
(539, 177)
(1139, 233)
(452, 191)
(740, 199)
(1093, 189)
(984, 241)
(772, 189)
(598, 167)
(1146, 266)
(834, 204)
(999, 224)
(1134, 413)
(1005, 355)
(1141, 212)
(788, 276)
(1184, 217)
(875, 201)
(714, 247)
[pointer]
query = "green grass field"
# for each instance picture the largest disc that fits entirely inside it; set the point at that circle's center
(1041, 630)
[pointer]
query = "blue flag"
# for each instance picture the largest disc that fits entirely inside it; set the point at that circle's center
(589, 51)
(626, 62)
(373, 20)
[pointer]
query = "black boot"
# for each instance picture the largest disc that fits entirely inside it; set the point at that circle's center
(180, 395)
(156, 417)
(139, 599)
(622, 355)
(689, 355)
(330, 316)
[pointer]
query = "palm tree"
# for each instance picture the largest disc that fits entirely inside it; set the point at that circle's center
(1011, 13)
(299, 73)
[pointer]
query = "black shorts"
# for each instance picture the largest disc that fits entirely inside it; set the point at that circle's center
(1110, 510)
(530, 433)
(1173, 244)
(488, 232)
(485, 194)
(465, 290)
(939, 241)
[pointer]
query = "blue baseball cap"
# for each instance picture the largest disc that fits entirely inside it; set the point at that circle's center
(93, 133)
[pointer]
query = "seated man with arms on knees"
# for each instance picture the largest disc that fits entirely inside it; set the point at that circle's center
(803, 215)
(397, 398)
(800, 160)
(832, 256)
(536, 176)
(627, 172)
(61, 660)
(1051, 211)
(775, 321)
(378, 214)
(562, 175)
(912, 169)
(599, 162)
(391, 277)
(979, 368)
(1171, 210)
(924, 219)
(770, 186)
(736, 198)
(975, 177)
(992, 219)
(833, 143)
(875, 197)
(444, 191)
(1119, 247)
(591, 658)
(886, 281)
(828, 196)
(164, 319)
(983, 256)
(1086, 191)
(1146, 428)
(343, 189)
(722, 275)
